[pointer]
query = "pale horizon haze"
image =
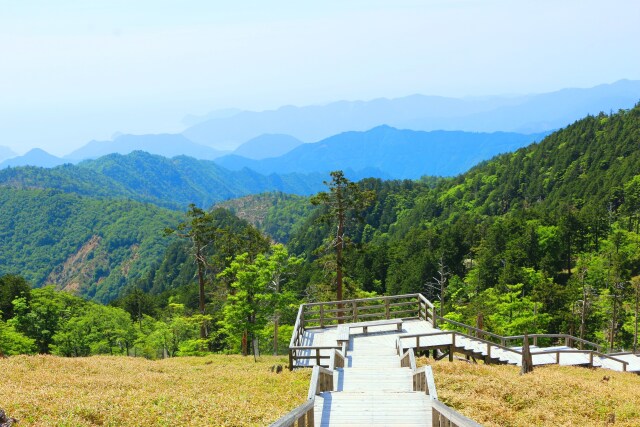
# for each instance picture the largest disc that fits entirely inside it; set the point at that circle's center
(73, 71)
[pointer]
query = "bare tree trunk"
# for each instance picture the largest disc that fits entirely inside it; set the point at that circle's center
(203, 327)
(275, 335)
(339, 247)
(613, 324)
(244, 343)
(635, 335)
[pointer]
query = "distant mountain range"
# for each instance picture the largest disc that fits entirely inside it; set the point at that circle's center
(443, 136)
(522, 114)
(388, 152)
(166, 145)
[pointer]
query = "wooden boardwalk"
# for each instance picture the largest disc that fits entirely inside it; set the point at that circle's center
(372, 389)
(558, 354)
(363, 356)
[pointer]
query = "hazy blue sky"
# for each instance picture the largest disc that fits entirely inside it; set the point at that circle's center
(71, 71)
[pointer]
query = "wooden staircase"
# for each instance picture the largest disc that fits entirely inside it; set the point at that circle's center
(372, 390)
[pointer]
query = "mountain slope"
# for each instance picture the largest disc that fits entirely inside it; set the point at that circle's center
(585, 163)
(86, 246)
(531, 113)
(265, 146)
(6, 153)
(396, 153)
(35, 157)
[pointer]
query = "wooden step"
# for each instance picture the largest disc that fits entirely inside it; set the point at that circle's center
(372, 409)
(373, 380)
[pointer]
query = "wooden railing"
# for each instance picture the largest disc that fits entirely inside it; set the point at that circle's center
(453, 345)
(568, 340)
(444, 416)
(323, 314)
(303, 415)
(441, 414)
(327, 314)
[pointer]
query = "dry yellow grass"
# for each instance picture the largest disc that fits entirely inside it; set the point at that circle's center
(215, 390)
(550, 396)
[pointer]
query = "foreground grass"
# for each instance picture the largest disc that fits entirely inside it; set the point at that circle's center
(553, 395)
(215, 390)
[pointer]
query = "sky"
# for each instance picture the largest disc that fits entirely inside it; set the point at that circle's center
(76, 70)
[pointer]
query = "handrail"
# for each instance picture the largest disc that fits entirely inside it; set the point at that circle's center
(350, 301)
(321, 380)
(408, 360)
(292, 418)
(442, 415)
(453, 333)
(471, 328)
(503, 339)
(624, 363)
(533, 353)
(431, 383)
(296, 326)
(399, 348)
(566, 337)
(336, 360)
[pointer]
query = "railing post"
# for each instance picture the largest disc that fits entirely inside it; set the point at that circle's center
(558, 357)
(310, 418)
(387, 313)
(591, 358)
(318, 356)
(322, 315)
(355, 311)
(535, 341)
(291, 359)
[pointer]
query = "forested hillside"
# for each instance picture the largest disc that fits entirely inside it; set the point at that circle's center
(89, 247)
(172, 183)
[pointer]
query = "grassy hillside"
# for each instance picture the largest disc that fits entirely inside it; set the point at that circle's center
(115, 391)
(554, 395)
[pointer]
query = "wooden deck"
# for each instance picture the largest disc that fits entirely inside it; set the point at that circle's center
(364, 372)
(372, 390)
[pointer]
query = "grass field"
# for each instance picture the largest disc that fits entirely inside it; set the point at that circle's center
(117, 391)
(223, 390)
(549, 396)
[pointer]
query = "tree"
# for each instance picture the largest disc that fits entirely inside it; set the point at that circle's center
(41, 317)
(200, 230)
(12, 287)
(344, 201)
(13, 342)
(258, 294)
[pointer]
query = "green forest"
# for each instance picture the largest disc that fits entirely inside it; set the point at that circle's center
(545, 239)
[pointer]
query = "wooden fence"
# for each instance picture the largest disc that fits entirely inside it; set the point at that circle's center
(327, 314)
(441, 414)
(455, 344)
